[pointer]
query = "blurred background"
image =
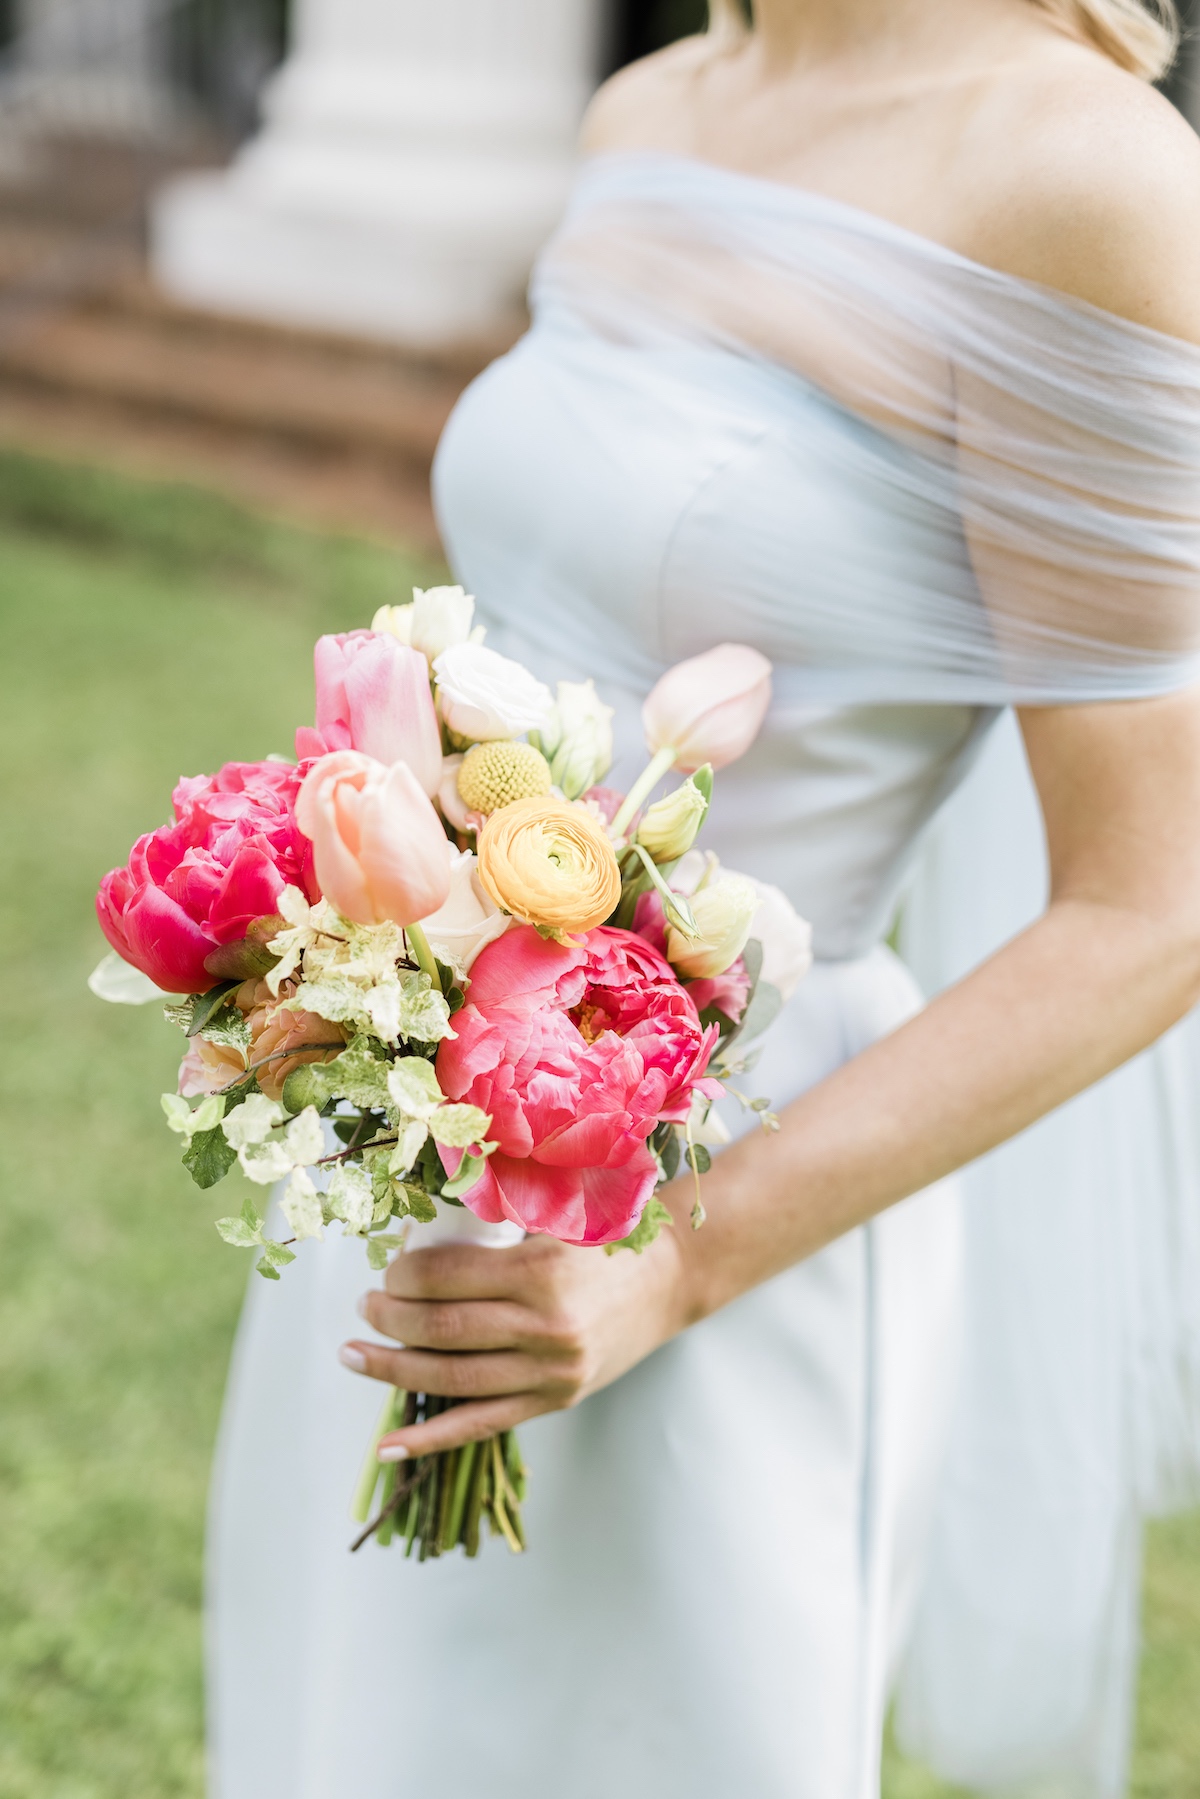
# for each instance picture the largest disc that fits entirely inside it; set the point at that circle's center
(250, 252)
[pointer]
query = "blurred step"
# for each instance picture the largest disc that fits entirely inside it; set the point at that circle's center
(299, 415)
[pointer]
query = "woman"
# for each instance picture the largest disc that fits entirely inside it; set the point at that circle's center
(870, 338)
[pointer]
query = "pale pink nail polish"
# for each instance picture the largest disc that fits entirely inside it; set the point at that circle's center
(350, 1357)
(361, 1306)
(392, 1452)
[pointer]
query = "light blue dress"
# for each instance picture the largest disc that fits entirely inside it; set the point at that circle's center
(927, 491)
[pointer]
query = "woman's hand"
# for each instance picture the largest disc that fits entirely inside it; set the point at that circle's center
(515, 1332)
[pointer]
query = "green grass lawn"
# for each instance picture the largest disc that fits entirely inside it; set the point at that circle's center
(149, 632)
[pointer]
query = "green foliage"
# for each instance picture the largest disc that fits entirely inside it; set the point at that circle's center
(209, 1157)
(654, 1219)
(207, 1006)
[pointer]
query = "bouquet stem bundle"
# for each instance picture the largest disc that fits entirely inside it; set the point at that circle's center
(437, 1503)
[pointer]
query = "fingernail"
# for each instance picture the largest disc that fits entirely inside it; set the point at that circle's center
(361, 1306)
(350, 1357)
(392, 1452)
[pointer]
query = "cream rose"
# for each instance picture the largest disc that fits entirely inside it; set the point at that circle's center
(469, 919)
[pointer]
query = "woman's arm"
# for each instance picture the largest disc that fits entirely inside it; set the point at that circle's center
(1114, 961)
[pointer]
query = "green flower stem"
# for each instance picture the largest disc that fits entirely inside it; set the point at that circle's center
(649, 778)
(676, 907)
(372, 1468)
(462, 1486)
(419, 944)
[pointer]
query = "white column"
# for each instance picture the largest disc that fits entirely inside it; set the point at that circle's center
(416, 154)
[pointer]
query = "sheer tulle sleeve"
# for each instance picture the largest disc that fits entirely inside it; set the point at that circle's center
(1047, 453)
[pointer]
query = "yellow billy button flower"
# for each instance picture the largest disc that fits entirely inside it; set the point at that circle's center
(495, 774)
(550, 864)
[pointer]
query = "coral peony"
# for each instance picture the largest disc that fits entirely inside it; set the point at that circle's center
(203, 881)
(577, 1053)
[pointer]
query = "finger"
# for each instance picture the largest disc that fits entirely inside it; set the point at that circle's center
(462, 1424)
(449, 1376)
(456, 1271)
(450, 1324)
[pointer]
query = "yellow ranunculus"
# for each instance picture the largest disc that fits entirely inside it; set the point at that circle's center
(550, 864)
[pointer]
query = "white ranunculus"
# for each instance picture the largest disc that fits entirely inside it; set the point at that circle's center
(484, 697)
(786, 938)
(468, 921)
(577, 738)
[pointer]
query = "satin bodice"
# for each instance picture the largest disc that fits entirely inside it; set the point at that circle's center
(630, 486)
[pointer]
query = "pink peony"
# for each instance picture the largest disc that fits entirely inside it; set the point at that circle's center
(202, 881)
(729, 992)
(577, 1054)
(373, 695)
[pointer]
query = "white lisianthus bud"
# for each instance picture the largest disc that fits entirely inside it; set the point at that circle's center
(484, 697)
(724, 911)
(437, 619)
(442, 618)
(669, 827)
(577, 738)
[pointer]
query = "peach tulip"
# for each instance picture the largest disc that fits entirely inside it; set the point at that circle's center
(379, 849)
(709, 708)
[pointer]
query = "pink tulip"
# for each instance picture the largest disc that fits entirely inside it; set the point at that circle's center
(379, 848)
(577, 1052)
(709, 708)
(373, 695)
(202, 881)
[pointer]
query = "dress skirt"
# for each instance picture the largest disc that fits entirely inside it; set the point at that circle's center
(725, 1545)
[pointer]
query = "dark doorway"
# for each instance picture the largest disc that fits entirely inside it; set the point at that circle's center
(223, 50)
(641, 26)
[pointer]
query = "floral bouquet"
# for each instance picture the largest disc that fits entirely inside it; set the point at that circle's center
(434, 963)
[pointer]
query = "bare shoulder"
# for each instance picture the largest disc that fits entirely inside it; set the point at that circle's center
(1091, 184)
(647, 104)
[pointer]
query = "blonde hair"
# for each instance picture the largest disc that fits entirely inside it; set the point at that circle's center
(1141, 35)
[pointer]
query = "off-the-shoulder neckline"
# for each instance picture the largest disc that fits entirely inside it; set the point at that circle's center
(812, 200)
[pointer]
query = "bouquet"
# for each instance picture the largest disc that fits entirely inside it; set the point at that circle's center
(436, 963)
